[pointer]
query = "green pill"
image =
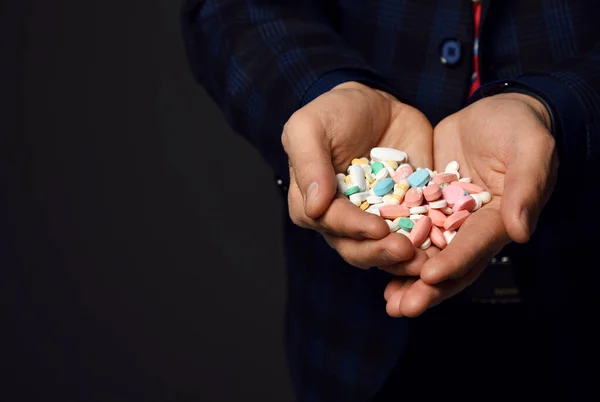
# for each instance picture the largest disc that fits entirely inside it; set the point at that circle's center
(376, 167)
(406, 224)
(352, 190)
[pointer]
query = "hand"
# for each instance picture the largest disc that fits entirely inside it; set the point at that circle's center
(321, 139)
(504, 144)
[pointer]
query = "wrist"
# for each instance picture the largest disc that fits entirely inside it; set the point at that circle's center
(540, 109)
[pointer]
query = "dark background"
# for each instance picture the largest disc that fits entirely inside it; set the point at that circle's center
(140, 237)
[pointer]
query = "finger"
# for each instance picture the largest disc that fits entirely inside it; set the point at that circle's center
(305, 141)
(483, 232)
(410, 267)
(341, 218)
(527, 184)
(370, 253)
(421, 296)
(394, 286)
(398, 288)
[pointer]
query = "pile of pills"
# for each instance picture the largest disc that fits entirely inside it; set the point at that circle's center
(426, 206)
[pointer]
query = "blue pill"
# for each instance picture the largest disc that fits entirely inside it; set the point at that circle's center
(419, 178)
(383, 187)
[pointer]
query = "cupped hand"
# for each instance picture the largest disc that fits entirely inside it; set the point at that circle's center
(503, 143)
(321, 139)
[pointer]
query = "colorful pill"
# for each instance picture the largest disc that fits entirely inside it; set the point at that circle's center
(414, 197)
(469, 187)
(420, 231)
(384, 187)
(432, 193)
(452, 193)
(376, 167)
(419, 178)
(437, 237)
(466, 203)
(437, 217)
(393, 211)
(443, 178)
(406, 224)
(455, 220)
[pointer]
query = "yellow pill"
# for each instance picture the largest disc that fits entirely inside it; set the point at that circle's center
(359, 161)
(369, 177)
(348, 180)
(366, 160)
(392, 164)
(373, 184)
(364, 205)
(398, 196)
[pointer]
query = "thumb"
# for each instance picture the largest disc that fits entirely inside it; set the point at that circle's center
(305, 142)
(528, 184)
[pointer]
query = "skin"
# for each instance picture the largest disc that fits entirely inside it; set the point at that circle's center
(321, 139)
(503, 143)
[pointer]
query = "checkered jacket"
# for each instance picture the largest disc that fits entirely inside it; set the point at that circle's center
(262, 60)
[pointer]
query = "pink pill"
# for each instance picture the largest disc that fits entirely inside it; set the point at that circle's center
(452, 193)
(437, 217)
(402, 173)
(445, 178)
(437, 237)
(420, 231)
(432, 193)
(393, 211)
(455, 220)
(465, 203)
(414, 197)
(469, 187)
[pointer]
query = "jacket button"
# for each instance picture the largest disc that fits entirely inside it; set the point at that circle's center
(450, 52)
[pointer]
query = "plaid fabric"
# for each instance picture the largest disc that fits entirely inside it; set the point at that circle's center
(262, 60)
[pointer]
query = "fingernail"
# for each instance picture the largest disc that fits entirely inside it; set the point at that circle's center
(388, 256)
(311, 193)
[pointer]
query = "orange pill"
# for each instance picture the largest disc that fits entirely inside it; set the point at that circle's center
(455, 220)
(432, 193)
(414, 197)
(420, 231)
(445, 178)
(437, 237)
(469, 187)
(437, 217)
(465, 203)
(393, 211)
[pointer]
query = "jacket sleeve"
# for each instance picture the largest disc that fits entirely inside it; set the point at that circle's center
(261, 60)
(571, 92)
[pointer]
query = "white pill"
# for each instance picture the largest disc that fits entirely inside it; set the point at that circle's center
(478, 202)
(402, 231)
(392, 225)
(426, 244)
(382, 174)
(369, 177)
(340, 176)
(431, 183)
(389, 200)
(456, 173)
(388, 154)
(486, 196)
(421, 209)
(452, 167)
(357, 175)
(374, 199)
(430, 173)
(342, 186)
(373, 210)
(416, 217)
(449, 235)
(439, 204)
(390, 170)
(447, 210)
(366, 168)
(359, 198)
(465, 180)
(402, 165)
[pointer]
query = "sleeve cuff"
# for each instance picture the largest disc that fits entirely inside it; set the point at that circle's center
(336, 77)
